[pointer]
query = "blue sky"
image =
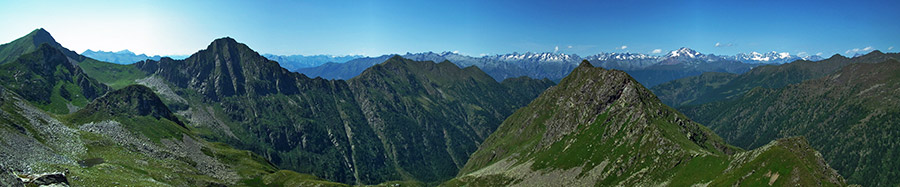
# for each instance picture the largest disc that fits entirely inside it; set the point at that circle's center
(470, 27)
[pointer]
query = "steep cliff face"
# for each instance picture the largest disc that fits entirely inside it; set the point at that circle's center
(438, 108)
(131, 101)
(225, 68)
(298, 123)
(401, 120)
(600, 127)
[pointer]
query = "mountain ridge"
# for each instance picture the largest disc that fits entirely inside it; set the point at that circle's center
(336, 129)
(600, 127)
(843, 113)
(51, 80)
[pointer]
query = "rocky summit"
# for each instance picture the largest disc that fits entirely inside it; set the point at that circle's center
(600, 127)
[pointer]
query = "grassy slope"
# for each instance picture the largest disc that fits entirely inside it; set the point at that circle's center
(113, 75)
(635, 140)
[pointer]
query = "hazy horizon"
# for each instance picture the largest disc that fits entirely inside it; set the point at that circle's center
(474, 28)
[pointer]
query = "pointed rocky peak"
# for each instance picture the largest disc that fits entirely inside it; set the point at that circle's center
(39, 36)
(225, 68)
(224, 41)
(46, 76)
(131, 101)
(429, 71)
(31, 42)
(396, 58)
(585, 64)
(395, 61)
(837, 56)
(229, 46)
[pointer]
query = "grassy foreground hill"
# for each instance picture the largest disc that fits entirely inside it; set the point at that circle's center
(126, 137)
(601, 127)
(123, 137)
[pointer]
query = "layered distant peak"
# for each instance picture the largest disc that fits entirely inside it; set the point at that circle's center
(131, 101)
(684, 52)
(125, 51)
(770, 57)
(621, 56)
(540, 57)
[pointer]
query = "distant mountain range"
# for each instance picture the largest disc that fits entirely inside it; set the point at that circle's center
(293, 62)
(650, 70)
(124, 56)
(846, 107)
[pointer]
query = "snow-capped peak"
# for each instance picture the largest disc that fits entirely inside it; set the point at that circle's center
(685, 52)
(770, 57)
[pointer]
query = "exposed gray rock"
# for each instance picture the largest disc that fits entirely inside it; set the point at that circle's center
(190, 148)
(8, 177)
(160, 87)
(60, 137)
(121, 136)
(46, 179)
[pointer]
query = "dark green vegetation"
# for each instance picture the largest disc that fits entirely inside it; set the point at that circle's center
(31, 42)
(600, 127)
(113, 75)
(401, 120)
(100, 146)
(45, 76)
(432, 116)
(851, 115)
(711, 87)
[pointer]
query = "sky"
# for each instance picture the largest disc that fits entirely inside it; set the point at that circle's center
(477, 27)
